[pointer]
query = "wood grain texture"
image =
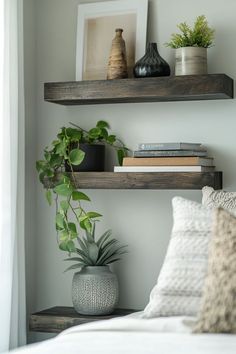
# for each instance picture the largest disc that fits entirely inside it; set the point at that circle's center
(57, 319)
(175, 88)
(146, 180)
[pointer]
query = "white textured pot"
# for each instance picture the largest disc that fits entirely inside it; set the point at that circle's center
(95, 291)
(191, 61)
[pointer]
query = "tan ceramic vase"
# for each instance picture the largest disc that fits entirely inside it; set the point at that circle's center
(117, 66)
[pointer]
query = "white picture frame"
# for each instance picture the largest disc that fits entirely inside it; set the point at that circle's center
(92, 48)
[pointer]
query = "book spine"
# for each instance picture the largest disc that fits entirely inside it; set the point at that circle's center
(169, 146)
(171, 153)
(161, 146)
(163, 169)
(167, 161)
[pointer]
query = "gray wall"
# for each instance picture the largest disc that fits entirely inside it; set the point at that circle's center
(140, 218)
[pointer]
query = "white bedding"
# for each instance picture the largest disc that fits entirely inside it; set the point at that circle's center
(132, 334)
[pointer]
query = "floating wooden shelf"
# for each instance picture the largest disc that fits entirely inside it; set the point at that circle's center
(57, 319)
(173, 88)
(152, 180)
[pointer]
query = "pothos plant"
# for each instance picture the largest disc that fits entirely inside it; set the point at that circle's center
(71, 218)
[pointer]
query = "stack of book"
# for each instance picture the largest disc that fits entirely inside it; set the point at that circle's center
(168, 157)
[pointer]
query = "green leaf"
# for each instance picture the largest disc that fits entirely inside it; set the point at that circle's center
(111, 139)
(74, 266)
(93, 215)
(61, 148)
(64, 190)
(72, 228)
(40, 165)
(74, 134)
(64, 235)
(49, 196)
(47, 155)
(76, 156)
(120, 155)
(111, 251)
(87, 225)
(94, 133)
(55, 160)
(55, 142)
(71, 246)
(60, 221)
(63, 179)
(80, 196)
(102, 124)
(104, 237)
(85, 256)
(73, 259)
(82, 245)
(89, 237)
(93, 252)
(104, 133)
(64, 205)
(42, 177)
(63, 246)
(48, 172)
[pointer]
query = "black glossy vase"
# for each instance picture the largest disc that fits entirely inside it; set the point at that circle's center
(151, 64)
(94, 159)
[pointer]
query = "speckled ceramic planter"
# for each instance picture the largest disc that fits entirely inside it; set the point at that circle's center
(191, 61)
(95, 291)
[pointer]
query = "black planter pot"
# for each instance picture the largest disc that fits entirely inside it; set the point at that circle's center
(94, 159)
(151, 64)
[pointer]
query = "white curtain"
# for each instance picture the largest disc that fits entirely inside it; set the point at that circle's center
(12, 279)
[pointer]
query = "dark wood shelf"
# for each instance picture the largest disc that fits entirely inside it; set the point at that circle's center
(57, 319)
(152, 180)
(173, 88)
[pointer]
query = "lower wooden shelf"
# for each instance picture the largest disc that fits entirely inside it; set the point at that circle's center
(57, 319)
(152, 180)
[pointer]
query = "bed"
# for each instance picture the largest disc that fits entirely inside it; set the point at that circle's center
(133, 334)
(192, 283)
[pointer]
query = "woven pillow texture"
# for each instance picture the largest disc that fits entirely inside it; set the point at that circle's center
(214, 199)
(179, 286)
(218, 307)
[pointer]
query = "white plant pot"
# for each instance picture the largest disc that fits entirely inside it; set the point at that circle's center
(191, 61)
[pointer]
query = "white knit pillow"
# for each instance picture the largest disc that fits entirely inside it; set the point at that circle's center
(215, 199)
(179, 286)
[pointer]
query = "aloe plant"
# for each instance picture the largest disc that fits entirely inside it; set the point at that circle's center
(104, 251)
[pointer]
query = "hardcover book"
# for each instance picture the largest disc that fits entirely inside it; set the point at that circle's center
(170, 146)
(168, 153)
(164, 169)
(168, 161)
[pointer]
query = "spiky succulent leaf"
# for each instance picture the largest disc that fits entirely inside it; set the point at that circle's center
(74, 266)
(103, 238)
(113, 251)
(93, 252)
(85, 257)
(105, 251)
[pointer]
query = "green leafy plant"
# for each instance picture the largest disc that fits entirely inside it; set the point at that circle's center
(104, 251)
(71, 218)
(201, 35)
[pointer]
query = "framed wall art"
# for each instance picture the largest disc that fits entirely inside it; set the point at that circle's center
(96, 27)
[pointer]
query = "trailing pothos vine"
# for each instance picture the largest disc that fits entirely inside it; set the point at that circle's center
(71, 217)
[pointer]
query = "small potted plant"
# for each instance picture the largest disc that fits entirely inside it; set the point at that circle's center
(191, 47)
(93, 143)
(95, 288)
(72, 219)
